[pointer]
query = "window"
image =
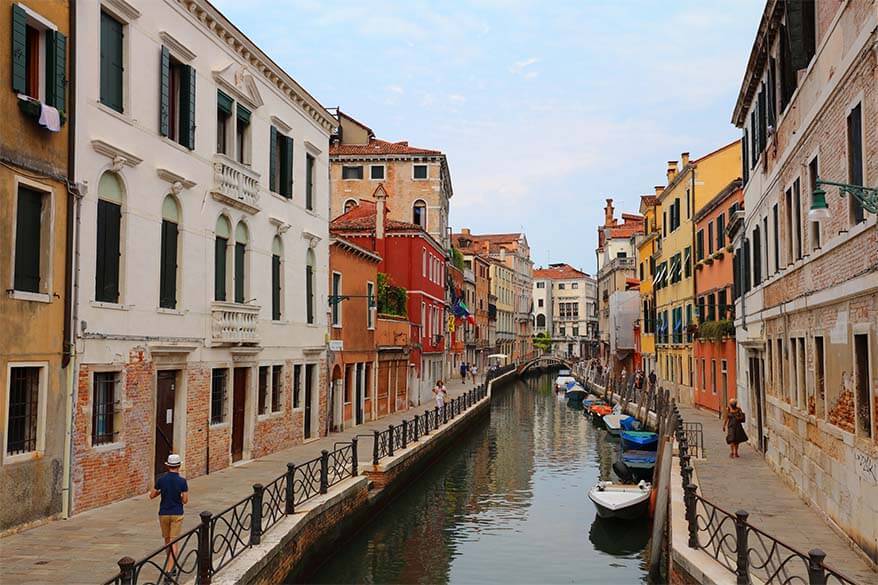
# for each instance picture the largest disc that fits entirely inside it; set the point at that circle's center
(349, 204)
(419, 172)
(168, 270)
(812, 185)
(540, 303)
(419, 214)
(721, 303)
(541, 319)
(713, 376)
(745, 172)
(788, 79)
(218, 384)
(220, 257)
(263, 389)
(242, 135)
(797, 215)
(224, 106)
(687, 262)
(541, 284)
(39, 58)
(32, 237)
(350, 173)
(424, 262)
(862, 383)
(376, 172)
(280, 168)
(699, 245)
(336, 299)
(720, 231)
(276, 387)
(370, 305)
(26, 392)
(108, 238)
(563, 331)
(561, 286)
(103, 407)
(177, 100)
(757, 257)
(819, 375)
(276, 278)
(775, 228)
(309, 182)
(297, 386)
(574, 285)
(855, 160)
(240, 280)
(710, 239)
(801, 23)
(112, 65)
(309, 286)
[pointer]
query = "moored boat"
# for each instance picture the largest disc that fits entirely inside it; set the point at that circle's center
(639, 463)
(575, 392)
(600, 409)
(639, 440)
(630, 424)
(613, 422)
(614, 500)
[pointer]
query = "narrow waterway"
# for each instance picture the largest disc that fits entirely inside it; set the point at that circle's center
(507, 504)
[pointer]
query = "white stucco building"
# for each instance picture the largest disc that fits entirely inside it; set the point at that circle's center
(565, 307)
(202, 248)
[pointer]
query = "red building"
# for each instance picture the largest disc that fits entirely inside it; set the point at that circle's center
(414, 260)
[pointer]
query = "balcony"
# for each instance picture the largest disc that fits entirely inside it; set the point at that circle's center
(235, 184)
(234, 324)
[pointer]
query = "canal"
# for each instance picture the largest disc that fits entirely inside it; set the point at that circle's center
(507, 504)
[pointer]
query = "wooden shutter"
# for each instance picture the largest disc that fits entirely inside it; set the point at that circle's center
(168, 278)
(187, 106)
(224, 102)
(107, 253)
(288, 165)
(56, 68)
(165, 93)
(272, 161)
(240, 250)
(219, 269)
(111, 68)
(28, 230)
(275, 287)
(19, 49)
(309, 294)
(309, 182)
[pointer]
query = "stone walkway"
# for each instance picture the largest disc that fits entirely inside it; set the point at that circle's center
(85, 548)
(748, 483)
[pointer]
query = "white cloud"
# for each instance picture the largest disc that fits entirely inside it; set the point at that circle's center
(520, 66)
(456, 98)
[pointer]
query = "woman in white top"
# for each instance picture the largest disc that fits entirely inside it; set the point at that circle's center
(439, 391)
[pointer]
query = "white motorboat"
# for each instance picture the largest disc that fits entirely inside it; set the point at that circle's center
(561, 382)
(613, 422)
(615, 500)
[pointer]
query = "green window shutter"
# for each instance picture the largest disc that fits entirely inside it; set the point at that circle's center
(309, 294)
(272, 161)
(187, 107)
(27, 240)
(240, 250)
(107, 253)
(243, 114)
(288, 166)
(275, 287)
(165, 93)
(224, 102)
(309, 182)
(56, 69)
(111, 68)
(219, 269)
(168, 277)
(19, 49)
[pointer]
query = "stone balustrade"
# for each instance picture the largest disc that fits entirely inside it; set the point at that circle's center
(235, 184)
(234, 323)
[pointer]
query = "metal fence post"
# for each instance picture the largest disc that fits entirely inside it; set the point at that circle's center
(742, 568)
(436, 417)
(816, 573)
(376, 436)
(417, 428)
(426, 422)
(290, 503)
(390, 440)
(691, 519)
(204, 549)
(444, 413)
(354, 470)
(126, 570)
(324, 471)
(256, 514)
(405, 433)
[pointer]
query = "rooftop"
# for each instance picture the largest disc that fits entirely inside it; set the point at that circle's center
(377, 147)
(559, 271)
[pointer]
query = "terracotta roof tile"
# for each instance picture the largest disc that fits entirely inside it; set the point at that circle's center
(362, 217)
(558, 272)
(379, 147)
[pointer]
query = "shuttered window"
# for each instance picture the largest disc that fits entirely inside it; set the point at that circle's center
(28, 239)
(309, 182)
(219, 268)
(281, 164)
(168, 277)
(309, 287)
(855, 159)
(19, 49)
(241, 127)
(276, 387)
(240, 250)
(176, 100)
(273, 160)
(111, 62)
(39, 57)
(107, 253)
(56, 69)
(275, 287)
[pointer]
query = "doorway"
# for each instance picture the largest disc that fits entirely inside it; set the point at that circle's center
(166, 389)
(358, 407)
(239, 405)
(309, 383)
(759, 401)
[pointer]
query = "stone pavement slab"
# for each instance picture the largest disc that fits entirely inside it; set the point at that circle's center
(748, 483)
(85, 548)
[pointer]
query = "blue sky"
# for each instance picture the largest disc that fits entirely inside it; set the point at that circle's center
(544, 109)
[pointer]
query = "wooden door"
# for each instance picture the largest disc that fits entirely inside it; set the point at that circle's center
(358, 395)
(309, 380)
(164, 418)
(239, 403)
(756, 384)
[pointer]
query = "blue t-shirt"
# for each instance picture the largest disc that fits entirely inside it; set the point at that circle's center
(172, 486)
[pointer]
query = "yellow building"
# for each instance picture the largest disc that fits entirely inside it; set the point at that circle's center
(689, 188)
(645, 272)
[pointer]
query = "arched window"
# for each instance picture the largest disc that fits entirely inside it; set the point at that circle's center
(111, 195)
(419, 213)
(277, 254)
(242, 237)
(350, 204)
(221, 258)
(168, 270)
(541, 320)
(310, 266)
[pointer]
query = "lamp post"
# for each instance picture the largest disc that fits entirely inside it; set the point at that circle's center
(868, 198)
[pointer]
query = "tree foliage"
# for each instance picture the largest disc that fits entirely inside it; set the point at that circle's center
(543, 342)
(392, 299)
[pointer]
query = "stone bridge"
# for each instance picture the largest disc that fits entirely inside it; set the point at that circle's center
(545, 361)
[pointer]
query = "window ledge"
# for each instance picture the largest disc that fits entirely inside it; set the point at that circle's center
(22, 457)
(177, 145)
(269, 415)
(111, 306)
(219, 425)
(279, 322)
(281, 197)
(163, 311)
(20, 295)
(115, 113)
(108, 447)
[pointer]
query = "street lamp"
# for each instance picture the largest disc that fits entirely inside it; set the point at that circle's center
(868, 198)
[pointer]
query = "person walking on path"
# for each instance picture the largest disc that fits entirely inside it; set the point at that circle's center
(473, 370)
(463, 369)
(652, 379)
(174, 490)
(440, 393)
(734, 427)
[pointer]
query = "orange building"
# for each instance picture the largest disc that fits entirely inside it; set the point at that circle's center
(353, 286)
(714, 349)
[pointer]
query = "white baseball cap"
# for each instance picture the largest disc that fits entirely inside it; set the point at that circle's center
(174, 460)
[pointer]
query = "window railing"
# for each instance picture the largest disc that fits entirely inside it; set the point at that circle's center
(233, 323)
(235, 184)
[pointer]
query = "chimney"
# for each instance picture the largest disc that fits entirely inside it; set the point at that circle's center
(502, 253)
(684, 158)
(464, 231)
(380, 198)
(659, 189)
(672, 170)
(608, 213)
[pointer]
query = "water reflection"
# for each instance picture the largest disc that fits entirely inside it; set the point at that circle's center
(507, 504)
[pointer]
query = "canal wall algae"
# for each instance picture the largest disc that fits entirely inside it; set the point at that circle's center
(301, 542)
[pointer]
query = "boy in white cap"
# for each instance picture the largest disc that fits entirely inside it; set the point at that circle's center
(174, 490)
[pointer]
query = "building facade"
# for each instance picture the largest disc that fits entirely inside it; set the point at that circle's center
(35, 367)
(807, 318)
(200, 317)
(646, 246)
(564, 301)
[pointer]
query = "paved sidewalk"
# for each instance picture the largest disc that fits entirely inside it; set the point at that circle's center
(85, 548)
(748, 483)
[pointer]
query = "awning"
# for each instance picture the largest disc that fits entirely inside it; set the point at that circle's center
(660, 273)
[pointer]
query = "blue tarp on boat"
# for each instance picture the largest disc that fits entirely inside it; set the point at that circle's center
(636, 458)
(639, 440)
(630, 424)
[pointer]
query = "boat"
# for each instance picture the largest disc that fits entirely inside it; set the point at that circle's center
(639, 463)
(639, 441)
(613, 422)
(630, 424)
(562, 381)
(575, 392)
(600, 409)
(589, 400)
(625, 502)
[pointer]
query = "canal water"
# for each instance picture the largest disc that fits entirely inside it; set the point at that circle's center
(507, 504)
